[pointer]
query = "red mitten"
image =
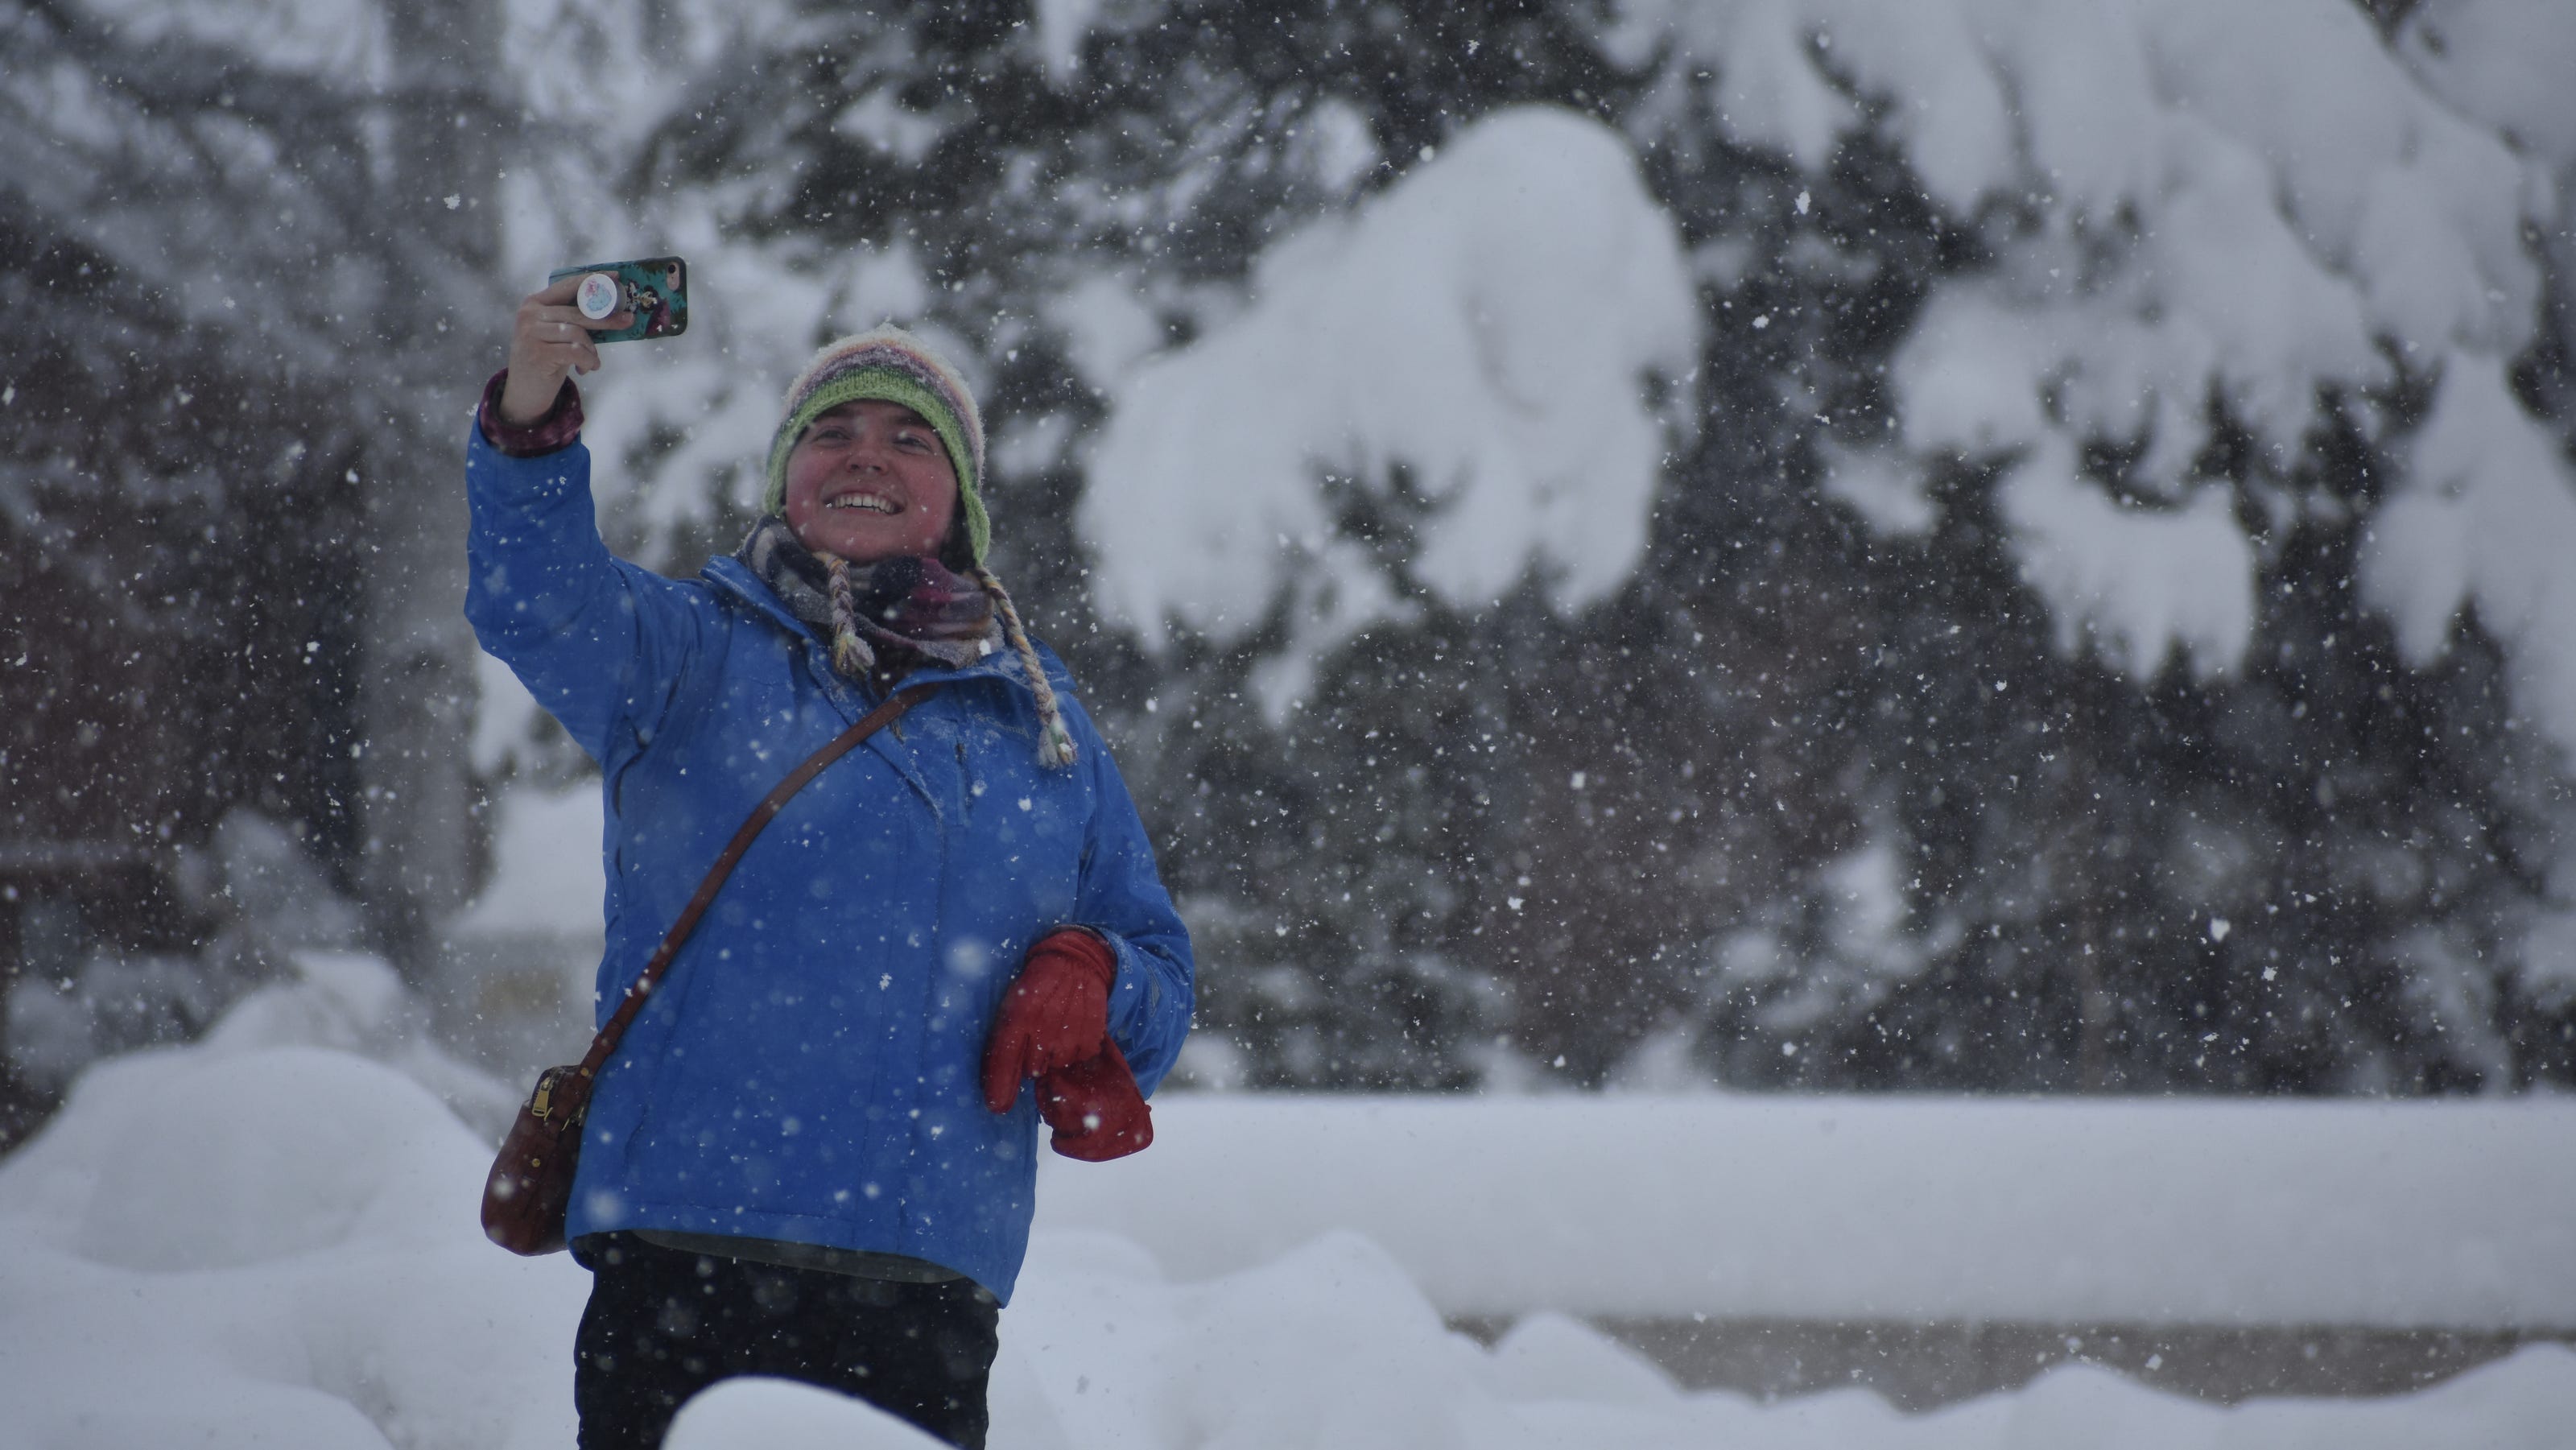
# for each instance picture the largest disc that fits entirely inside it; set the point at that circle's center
(1095, 1109)
(1056, 1013)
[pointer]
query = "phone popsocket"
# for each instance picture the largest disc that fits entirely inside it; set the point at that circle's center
(655, 289)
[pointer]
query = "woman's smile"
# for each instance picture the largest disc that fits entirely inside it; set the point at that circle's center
(871, 480)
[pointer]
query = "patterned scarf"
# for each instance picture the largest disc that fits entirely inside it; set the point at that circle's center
(915, 606)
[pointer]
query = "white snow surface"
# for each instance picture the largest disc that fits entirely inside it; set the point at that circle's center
(547, 870)
(2136, 1211)
(258, 1240)
(1487, 324)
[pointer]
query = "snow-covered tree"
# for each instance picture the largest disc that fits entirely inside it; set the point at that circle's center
(1901, 542)
(243, 244)
(2226, 280)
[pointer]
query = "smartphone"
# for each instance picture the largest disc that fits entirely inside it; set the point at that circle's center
(655, 289)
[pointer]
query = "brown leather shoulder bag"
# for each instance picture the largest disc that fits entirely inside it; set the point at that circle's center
(531, 1183)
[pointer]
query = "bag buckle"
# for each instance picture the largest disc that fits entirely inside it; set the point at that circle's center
(541, 1102)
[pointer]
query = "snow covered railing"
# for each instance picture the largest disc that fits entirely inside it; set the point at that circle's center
(2453, 1215)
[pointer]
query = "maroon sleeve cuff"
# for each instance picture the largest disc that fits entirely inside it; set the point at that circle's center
(559, 428)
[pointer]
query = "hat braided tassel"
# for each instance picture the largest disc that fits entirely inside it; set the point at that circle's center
(1055, 743)
(850, 654)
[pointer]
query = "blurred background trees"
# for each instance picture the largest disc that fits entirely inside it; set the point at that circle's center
(249, 267)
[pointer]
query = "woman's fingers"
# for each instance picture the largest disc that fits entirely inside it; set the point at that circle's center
(573, 331)
(551, 311)
(543, 352)
(560, 342)
(571, 317)
(574, 356)
(549, 341)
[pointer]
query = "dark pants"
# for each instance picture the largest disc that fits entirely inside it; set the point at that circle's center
(663, 1325)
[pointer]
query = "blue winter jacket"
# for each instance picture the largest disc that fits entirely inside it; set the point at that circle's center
(809, 1069)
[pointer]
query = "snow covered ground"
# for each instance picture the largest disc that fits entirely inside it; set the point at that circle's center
(2449, 1215)
(269, 1238)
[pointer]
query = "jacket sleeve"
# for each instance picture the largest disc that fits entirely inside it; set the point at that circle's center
(603, 644)
(1123, 899)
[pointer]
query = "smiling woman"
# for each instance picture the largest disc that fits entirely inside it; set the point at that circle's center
(813, 1152)
(870, 481)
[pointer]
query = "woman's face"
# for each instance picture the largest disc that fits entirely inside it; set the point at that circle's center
(869, 481)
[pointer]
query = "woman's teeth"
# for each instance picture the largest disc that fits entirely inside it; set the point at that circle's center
(868, 501)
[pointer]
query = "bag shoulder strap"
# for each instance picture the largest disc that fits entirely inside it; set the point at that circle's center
(577, 1088)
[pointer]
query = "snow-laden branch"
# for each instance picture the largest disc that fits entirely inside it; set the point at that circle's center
(2251, 201)
(1486, 326)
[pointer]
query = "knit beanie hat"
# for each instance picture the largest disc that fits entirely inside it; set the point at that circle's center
(887, 364)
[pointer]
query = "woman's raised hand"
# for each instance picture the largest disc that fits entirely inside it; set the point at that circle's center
(549, 342)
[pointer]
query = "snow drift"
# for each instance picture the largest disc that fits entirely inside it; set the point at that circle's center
(1909, 1209)
(256, 1241)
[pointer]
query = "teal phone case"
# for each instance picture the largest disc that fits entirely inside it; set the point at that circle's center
(656, 288)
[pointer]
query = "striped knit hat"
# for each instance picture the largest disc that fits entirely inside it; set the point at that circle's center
(888, 364)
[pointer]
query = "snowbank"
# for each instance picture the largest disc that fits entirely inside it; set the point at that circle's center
(1487, 324)
(520, 963)
(254, 1242)
(272, 1247)
(2402, 1215)
(547, 876)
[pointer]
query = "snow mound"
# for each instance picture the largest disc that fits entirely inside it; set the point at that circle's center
(258, 1242)
(269, 1245)
(785, 1415)
(1548, 1356)
(1916, 1209)
(203, 1179)
(1486, 326)
(547, 871)
(1331, 1345)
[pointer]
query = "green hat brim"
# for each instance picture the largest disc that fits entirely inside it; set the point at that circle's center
(883, 385)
